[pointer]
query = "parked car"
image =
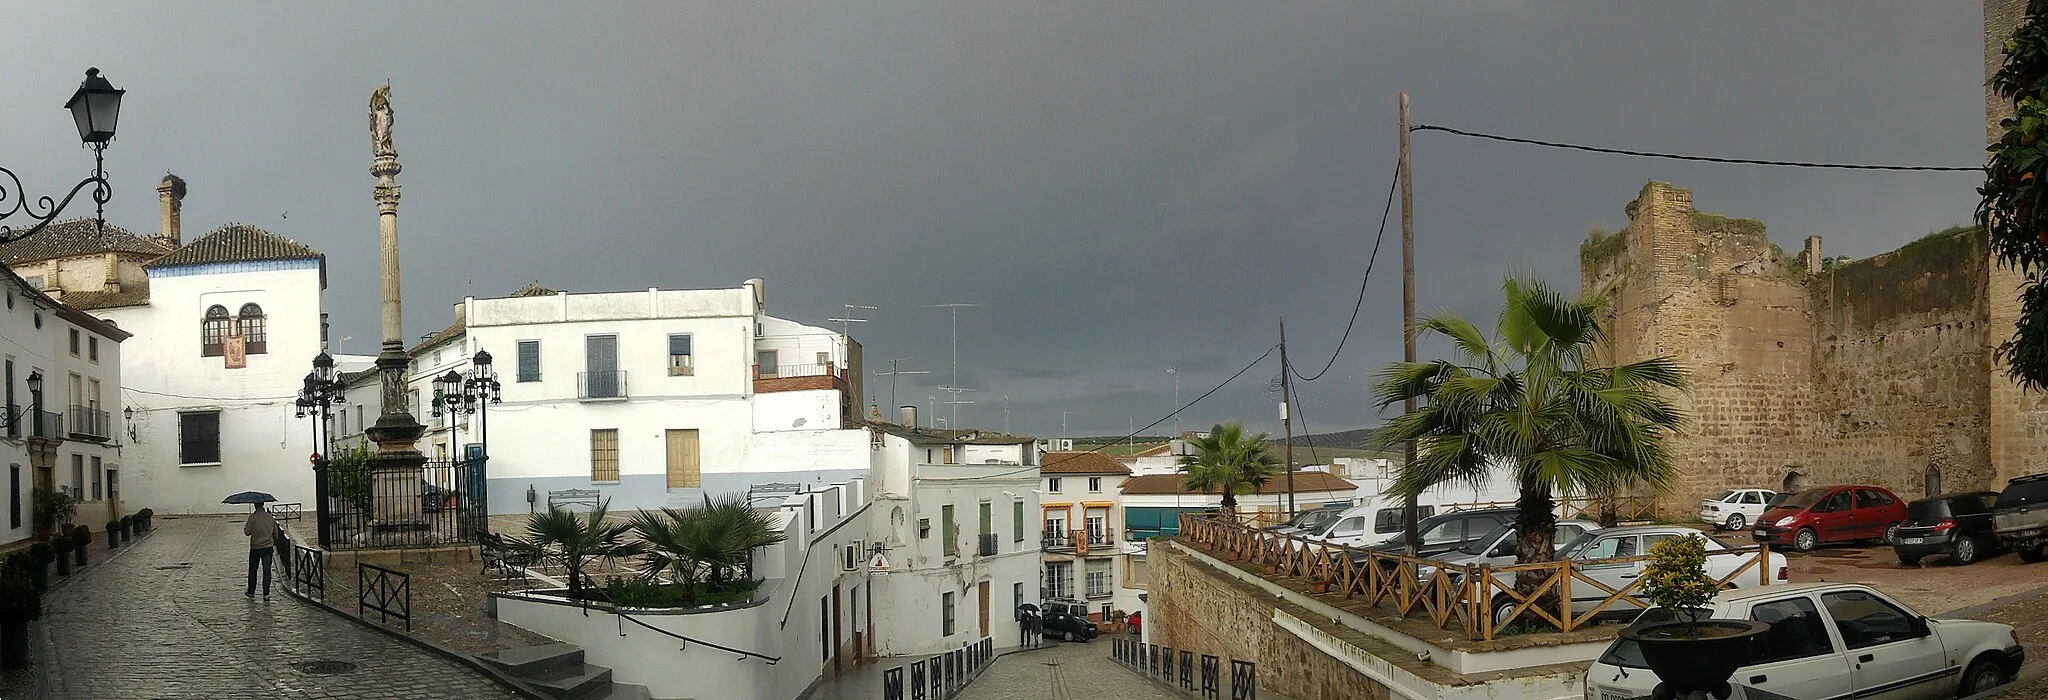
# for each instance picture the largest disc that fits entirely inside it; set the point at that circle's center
(1831, 514)
(1957, 526)
(1367, 525)
(1498, 548)
(2021, 516)
(1834, 640)
(1452, 531)
(1735, 509)
(1593, 553)
(1308, 521)
(1068, 620)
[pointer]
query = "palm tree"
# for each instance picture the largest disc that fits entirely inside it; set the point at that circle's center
(1225, 461)
(1535, 401)
(713, 543)
(577, 540)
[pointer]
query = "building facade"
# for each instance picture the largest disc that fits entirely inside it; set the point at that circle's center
(1086, 550)
(63, 417)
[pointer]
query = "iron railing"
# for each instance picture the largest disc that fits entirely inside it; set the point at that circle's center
(987, 546)
(939, 677)
(14, 417)
(1083, 542)
(601, 385)
(89, 423)
(1178, 669)
(785, 371)
(309, 571)
(435, 504)
(386, 591)
(48, 424)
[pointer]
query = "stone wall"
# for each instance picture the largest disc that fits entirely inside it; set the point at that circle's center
(2017, 419)
(1213, 614)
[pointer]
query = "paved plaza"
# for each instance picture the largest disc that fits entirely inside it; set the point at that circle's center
(167, 620)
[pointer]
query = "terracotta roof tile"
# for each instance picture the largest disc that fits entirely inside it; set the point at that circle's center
(439, 337)
(237, 243)
(1170, 484)
(106, 299)
(932, 436)
(75, 237)
(1080, 463)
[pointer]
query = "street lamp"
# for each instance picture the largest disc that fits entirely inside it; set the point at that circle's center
(96, 107)
(471, 393)
(35, 406)
(319, 393)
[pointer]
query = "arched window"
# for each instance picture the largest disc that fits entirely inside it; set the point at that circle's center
(213, 331)
(250, 324)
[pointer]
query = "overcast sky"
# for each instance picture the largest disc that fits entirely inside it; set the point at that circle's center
(1124, 187)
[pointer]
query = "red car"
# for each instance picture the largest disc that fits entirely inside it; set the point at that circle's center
(1829, 514)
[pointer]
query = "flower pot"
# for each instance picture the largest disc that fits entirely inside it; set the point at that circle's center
(79, 552)
(113, 539)
(63, 563)
(39, 576)
(127, 531)
(14, 644)
(1700, 660)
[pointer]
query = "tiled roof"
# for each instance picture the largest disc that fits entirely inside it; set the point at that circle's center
(75, 237)
(442, 336)
(535, 290)
(65, 311)
(1170, 484)
(1160, 450)
(353, 378)
(932, 436)
(1080, 463)
(237, 243)
(107, 299)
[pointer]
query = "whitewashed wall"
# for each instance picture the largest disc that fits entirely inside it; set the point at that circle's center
(46, 349)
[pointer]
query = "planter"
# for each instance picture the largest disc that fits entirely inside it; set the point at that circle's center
(1319, 587)
(127, 530)
(39, 575)
(113, 538)
(63, 563)
(1700, 661)
(14, 644)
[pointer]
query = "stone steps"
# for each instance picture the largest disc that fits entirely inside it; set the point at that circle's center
(558, 671)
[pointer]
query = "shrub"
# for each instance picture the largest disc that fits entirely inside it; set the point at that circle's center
(62, 545)
(641, 593)
(19, 599)
(53, 508)
(42, 553)
(82, 535)
(113, 525)
(1676, 578)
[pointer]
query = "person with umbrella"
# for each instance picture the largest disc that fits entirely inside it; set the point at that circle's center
(261, 530)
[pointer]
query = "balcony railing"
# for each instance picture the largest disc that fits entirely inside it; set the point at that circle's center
(14, 418)
(772, 378)
(599, 386)
(1083, 542)
(784, 371)
(89, 423)
(48, 424)
(987, 546)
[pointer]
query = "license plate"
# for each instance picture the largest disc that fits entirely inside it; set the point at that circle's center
(1913, 540)
(1758, 533)
(1610, 694)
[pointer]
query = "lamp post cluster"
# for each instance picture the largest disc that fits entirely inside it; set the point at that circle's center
(318, 396)
(95, 107)
(468, 393)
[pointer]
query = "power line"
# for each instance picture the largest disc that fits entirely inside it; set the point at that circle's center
(1703, 159)
(1355, 306)
(1148, 426)
(210, 398)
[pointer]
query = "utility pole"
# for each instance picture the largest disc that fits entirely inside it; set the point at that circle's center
(1175, 371)
(1063, 423)
(891, 374)
(1286, 421)
(1006, 414)
(1408, 505)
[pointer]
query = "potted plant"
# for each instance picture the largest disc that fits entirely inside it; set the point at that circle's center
(113, 534)
(61, 546)
(40, 555)
(20, 603)
(143, 516)
(81, 540)
(1690, 655)
(52, 509)
(127, 528)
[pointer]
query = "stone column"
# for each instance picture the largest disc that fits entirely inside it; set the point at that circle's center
(396, 470)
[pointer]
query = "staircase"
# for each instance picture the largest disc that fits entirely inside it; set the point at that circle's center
(557, 671)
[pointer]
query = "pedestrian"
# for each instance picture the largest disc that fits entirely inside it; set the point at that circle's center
(261, 530)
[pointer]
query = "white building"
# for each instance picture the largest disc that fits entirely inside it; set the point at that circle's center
(1085, 545)
(67, 436)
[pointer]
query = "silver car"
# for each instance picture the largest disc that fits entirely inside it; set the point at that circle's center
(1498, 547)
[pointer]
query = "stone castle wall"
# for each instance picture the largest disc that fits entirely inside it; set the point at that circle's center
(1199, 609)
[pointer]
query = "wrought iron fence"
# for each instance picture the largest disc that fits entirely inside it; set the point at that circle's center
(386, 591)
(1178, 669)
(601, 385)
(986, 547)
(939, 677)
(48, 424)
(434, 505)
(308, 569)
(90, 423)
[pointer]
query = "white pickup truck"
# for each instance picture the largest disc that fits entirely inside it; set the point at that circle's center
(1834, 640)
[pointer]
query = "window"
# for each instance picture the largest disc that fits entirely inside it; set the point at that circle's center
(1098, 578)
(249, 323)
(114, 484)
(74, 342)
(13, 426)
(1610, 548)
(1098, 528)
(1355, 525)
(1865, 620)
(1796, 630)
(14, 495)
(1058, 579)
(946, 454)
(601, 368)
(849, 556)
(97, 470)
(1389, 519)
(529, 361)
(1017, 521)
(946, 613)
(1052, 485)
(1134, 577)
(948, 531)
(78, 477)
(1016, 595)
(213, 331)
(924, 528)
(680, 363)
(1095, 484)
(92, 348)
(825, 627)
(604, 454)
(199, 437)
(988, 520)
(1835, 502)
(1753, 498)
(1867, 498)
(765, 363)
(1056, 524)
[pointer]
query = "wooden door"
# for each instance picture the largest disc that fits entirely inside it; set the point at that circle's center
(838, 648)
(984, 608)
(685, 470)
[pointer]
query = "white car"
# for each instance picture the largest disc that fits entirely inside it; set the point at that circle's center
(1835, 640)
(1499, 549)
(1735, 509)
(1593, 554)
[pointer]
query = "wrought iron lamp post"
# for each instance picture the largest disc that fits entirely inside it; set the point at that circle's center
(317, 399)
(471, 393)
(96, 107)
(33, 410)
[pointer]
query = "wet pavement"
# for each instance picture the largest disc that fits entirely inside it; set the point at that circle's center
(167, 618)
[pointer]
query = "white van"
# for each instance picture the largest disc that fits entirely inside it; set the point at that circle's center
(1375, 522)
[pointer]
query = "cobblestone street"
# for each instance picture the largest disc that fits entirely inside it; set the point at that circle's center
(167, 619)
(1082, 671)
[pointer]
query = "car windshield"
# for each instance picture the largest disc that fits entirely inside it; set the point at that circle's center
(1316, 519)
(1723, 497)
(1576, 544)
(1485, 542)
(1804, 498)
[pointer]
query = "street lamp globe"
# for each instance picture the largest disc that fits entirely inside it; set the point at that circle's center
(323, 367)
(35, 382)
(96, 107)
(482, 359)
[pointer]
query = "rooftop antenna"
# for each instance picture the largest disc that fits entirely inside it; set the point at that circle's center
(845, 327)
(953, 386)
(1006, 414)
(891, 374)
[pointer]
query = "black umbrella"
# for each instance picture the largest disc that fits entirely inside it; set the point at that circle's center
(250, 498)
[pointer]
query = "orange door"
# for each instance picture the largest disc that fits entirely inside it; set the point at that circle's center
(984, 608)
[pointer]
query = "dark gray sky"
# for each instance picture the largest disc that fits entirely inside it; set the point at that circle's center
(1125, 186)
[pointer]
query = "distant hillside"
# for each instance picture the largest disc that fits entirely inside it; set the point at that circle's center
(1308, 449)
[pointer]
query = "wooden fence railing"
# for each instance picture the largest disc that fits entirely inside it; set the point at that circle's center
(1464, 597)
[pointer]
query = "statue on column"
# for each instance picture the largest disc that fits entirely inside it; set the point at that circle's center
(380, 122)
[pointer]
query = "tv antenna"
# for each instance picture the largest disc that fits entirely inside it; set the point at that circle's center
(891, 374)
(845, 322)
(953, 386)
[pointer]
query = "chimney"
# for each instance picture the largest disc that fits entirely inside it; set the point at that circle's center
(1810, 258)
(907, 416)
(171, 195)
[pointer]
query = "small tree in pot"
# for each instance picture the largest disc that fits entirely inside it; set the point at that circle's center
(142, 517)
(20, 603)
(61, 546)
(40, 555)
(113, 534)
(81, 540)
(127, 527)
(1692, 655)
(53, 508)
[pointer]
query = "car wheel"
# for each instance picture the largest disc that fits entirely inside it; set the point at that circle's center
(1891, 534)
(1067, 636)
(1984, 674)
(2032, 556)
(1964, 552)
(1805, 540)
(1736, 522)
(1503, 611)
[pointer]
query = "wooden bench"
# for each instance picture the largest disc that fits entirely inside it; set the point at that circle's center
(571, 497)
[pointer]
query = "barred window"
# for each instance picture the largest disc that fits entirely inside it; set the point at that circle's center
(250, 324)
(213, 331)
(604, 455)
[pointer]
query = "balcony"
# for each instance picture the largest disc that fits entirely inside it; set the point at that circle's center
(987, 546)
(1087, 543)
(47, 424)
(773, 378)
(601, 386)
(13, 423)
(90, 423)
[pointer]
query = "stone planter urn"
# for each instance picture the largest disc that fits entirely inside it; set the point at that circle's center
(81, 541)
(1697, 657)
(113, 534)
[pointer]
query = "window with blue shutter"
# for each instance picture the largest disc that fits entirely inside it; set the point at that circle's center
(529, 360)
